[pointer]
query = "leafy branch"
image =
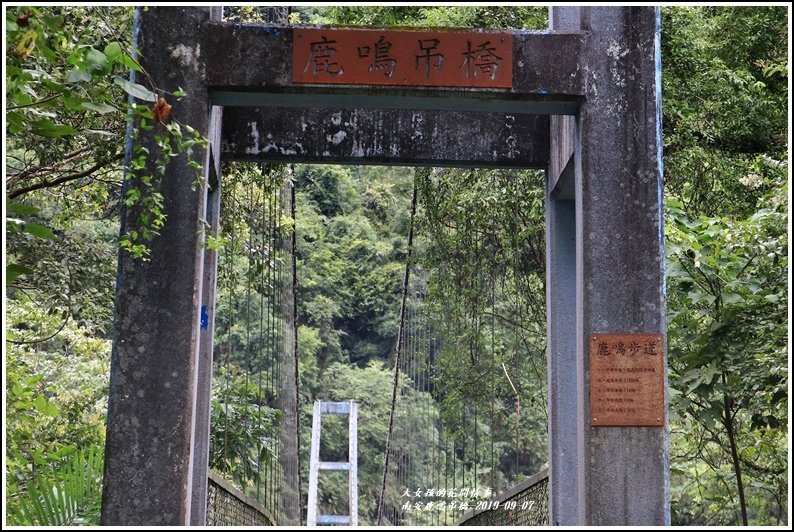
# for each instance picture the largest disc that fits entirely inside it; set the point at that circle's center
(65, 179)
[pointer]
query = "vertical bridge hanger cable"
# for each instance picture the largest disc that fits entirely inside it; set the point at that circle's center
(398, 353)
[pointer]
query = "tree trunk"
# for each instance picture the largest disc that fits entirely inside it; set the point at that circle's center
(730, 429)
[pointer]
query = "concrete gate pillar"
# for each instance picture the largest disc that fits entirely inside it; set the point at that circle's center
(154, 368)
(605, 264)
(605, 230)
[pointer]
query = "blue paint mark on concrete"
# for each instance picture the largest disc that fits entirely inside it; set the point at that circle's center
(205, 319)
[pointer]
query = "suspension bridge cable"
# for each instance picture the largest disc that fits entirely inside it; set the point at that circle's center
(411, 392)
(249, 264)
(262, 259)
(278, 478)
(277, 239)
(492, 377)
(253, 443)
(294, 267)
(476, 364)
(434, 427)
(406, 278)
(227, 365)
(518, 414)
(421, 432)
(279, 323)
(275, 342)
(269, 288)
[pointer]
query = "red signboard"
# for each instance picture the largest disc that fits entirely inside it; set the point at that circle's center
(402, 58)
(627, 380)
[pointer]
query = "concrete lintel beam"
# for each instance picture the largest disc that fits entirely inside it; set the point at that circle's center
(374, 136)
(259, 58)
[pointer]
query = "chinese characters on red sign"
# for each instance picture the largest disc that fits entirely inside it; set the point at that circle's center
(403, 58)
(627, 380)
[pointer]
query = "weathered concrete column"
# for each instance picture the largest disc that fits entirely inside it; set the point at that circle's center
(563, 385)
(623, 470)
(201, 440)
(151, 411)
(562, 382)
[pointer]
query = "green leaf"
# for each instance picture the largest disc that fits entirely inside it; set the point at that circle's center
(697, 297)
(99, 107)
(76, 76)
(95, 60)
(39, 231)
(15, 270)
(130, 63)
(40, 403)
(113, 51)
(22, 98)
(15, 122)
(116, 54)
(133, 89)
(21, 209)
(47, 128)
(732, 298)
(73, 103)
(70, 495)
(53, 22)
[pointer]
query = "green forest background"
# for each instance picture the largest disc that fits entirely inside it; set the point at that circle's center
(480, 240)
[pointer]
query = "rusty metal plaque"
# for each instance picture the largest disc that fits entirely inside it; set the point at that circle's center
(627, 380)
(403, 58)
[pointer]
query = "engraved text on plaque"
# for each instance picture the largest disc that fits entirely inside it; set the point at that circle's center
(626, 380)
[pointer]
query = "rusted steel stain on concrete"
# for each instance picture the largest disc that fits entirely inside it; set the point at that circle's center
(403, 58)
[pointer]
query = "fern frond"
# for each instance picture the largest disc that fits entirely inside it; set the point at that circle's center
(71, 495)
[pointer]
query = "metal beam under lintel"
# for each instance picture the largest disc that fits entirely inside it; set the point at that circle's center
(332, 98)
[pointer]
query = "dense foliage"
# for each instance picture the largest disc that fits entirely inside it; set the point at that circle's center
(725, 76)
(63, 146)
(480, 252)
